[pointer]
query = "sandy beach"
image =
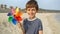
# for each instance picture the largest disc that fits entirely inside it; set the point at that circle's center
(50, 21)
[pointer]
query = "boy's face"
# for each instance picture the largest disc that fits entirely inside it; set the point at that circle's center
(31, 12)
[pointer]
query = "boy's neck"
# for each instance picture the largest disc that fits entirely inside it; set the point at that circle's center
(31, 19)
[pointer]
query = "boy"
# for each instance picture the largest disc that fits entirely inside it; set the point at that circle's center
(32, 25)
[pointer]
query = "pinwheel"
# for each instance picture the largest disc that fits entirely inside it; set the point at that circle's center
(15, 16)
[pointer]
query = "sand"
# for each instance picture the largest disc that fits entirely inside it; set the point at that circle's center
(50, 21)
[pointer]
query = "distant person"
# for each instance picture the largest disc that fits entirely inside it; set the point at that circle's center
(32, 25)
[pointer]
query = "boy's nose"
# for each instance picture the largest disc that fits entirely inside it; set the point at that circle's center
(30, 11)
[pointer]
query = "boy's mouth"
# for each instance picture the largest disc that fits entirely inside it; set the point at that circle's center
(31, 15)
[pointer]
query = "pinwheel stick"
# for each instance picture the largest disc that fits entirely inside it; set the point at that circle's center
(21, 26)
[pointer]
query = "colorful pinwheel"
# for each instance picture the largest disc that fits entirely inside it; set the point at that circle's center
(15, 16)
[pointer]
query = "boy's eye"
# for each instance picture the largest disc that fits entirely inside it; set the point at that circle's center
(33, 9)
(28, 9)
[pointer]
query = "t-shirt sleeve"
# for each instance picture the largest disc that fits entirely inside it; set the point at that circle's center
(24, 24)
(40, 27)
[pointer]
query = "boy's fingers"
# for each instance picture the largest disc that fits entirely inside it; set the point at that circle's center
(19, 25)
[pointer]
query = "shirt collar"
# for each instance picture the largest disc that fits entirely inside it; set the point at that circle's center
(32, 19)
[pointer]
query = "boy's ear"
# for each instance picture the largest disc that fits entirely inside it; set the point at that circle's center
(36, 11)
(25, 10)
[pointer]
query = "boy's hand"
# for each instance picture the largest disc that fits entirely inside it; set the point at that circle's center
(21, 26)
(40, 32)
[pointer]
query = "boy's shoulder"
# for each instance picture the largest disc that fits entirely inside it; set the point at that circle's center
(37, 19)
(25, 20)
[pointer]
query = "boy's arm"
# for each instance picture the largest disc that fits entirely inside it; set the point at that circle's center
(40, 28)
(21, 26)
(40, 32)
(23, 30)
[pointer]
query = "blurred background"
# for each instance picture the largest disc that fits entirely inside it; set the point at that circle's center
(49, 13)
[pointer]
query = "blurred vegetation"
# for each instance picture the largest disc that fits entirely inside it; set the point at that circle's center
(4, 9)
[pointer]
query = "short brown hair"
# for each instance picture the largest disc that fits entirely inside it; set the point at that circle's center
(32, 3)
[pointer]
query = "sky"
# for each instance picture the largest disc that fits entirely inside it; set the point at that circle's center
(44, 4)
